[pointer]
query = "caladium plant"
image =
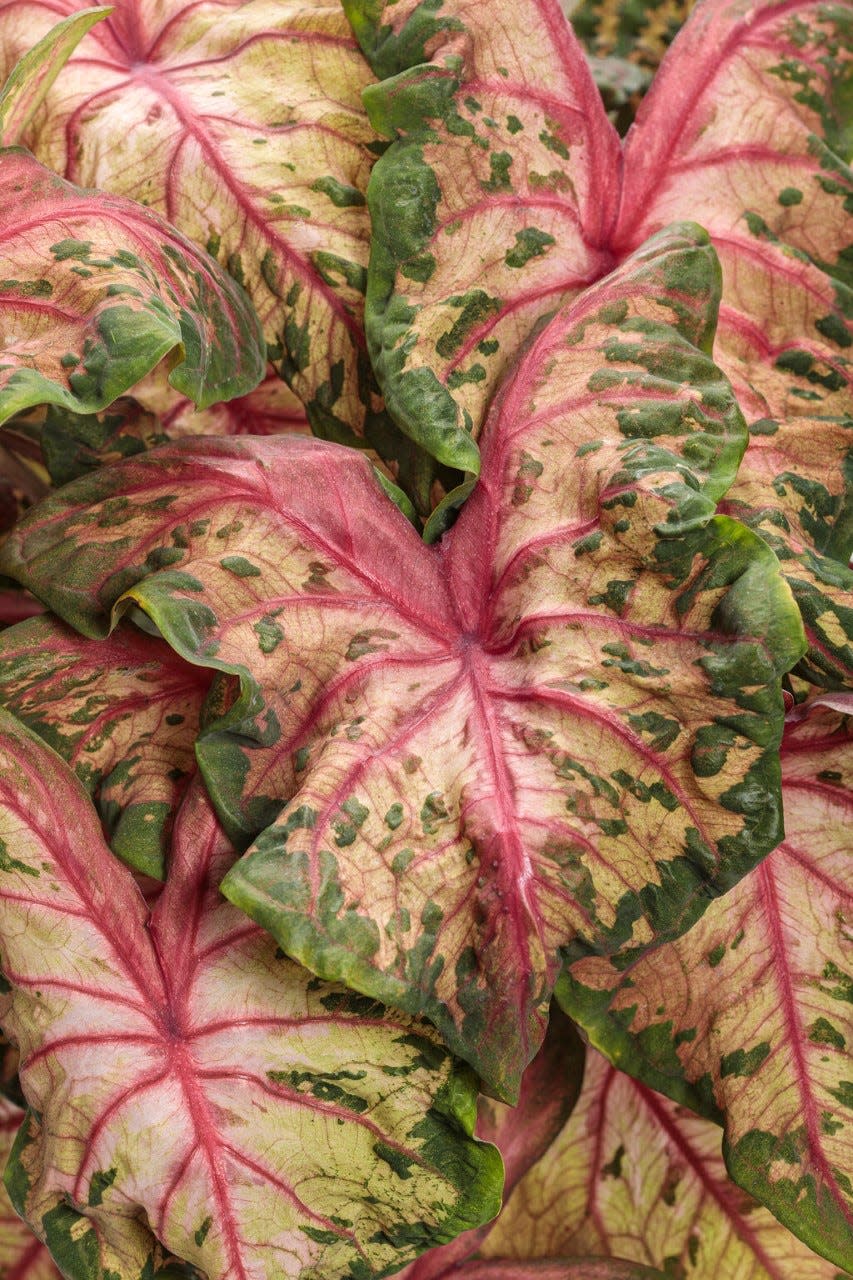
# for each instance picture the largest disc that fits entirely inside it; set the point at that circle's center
(455, 748)
(545, 754)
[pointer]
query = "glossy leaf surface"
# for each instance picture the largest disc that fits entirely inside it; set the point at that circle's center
(472, 761)
(124, 712)
(636, 1176)
(97, 290)
(163, 1027)
(242, 123)
(748, 1017)
(22, 1256)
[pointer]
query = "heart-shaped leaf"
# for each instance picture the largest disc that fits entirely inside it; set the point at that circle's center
(548, 190)
(503, 143)
(634, 1175)
(242, 123)
(476, 760)
(22, 1256)
(259, 1121)
(97, 290)
(124, 712)
(748, 1017)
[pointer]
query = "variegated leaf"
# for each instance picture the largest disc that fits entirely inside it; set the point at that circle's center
(124, 712)
(242, 123)
(97, 290)
(22, 1255)
(494, 230)
(474, 760)
(549, 1090)
(634, 1175)
(744, 131)
(168, 1029)
(748, 1018)
(554, 1269)
(770, 185)
(795, 487)
(30, 81)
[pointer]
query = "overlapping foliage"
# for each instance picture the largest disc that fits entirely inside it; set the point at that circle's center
(533, 679)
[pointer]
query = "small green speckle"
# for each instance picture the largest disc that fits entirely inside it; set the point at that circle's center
(201, 1235)
(240, 566)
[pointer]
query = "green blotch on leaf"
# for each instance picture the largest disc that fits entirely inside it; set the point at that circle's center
(99, 1184)
(201, 1235)
(324, 1086)
(71, 248)
(613, 1168)
(716, 954)
(433, 812)
(269, 633)
(397, 1161)
(744, 1062)
(341, 194)
(394, 816)
(844, 1093)
(823, 1032)
(789, 196)
(529, 243)
(476, 307)
(8, 863)
(499, 164)
(240, 566)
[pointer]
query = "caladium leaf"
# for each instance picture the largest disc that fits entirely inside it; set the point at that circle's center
(153, 414)
(169, 1029)
(505, 144)
(481, 163)
(795, 487)
(479, 759)
(242, 123)
(124, 712)
(748, 1017)
(98, 290)
(26, 88)
(635, 1175)
(549, 1090)
(22, 1255)
(555, 1269)
(579, 203)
